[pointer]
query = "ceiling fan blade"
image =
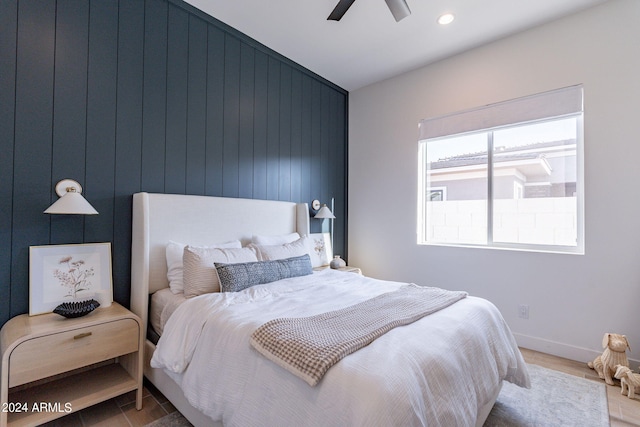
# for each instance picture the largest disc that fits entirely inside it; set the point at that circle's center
(340, 9)
(399, 9)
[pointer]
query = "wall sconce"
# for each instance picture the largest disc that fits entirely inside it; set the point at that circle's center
(71, 201)
(323, 212)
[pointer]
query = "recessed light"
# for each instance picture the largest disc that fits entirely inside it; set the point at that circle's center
(446, 18)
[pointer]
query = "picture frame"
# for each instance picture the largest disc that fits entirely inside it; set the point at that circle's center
(321, 253)
(68, 273)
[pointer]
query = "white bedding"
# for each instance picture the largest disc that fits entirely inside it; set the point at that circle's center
(437, 371)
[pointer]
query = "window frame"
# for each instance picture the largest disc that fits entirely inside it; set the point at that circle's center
(424, 185)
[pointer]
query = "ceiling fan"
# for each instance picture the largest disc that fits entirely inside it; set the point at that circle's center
(398, 8)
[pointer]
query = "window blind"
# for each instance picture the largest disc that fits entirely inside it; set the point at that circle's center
(555, 103)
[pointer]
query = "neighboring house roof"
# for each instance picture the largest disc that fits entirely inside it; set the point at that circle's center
(502, 154)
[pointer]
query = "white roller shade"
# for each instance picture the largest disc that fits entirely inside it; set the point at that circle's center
(555, 103)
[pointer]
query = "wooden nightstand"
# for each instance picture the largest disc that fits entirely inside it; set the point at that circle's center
(52, 366)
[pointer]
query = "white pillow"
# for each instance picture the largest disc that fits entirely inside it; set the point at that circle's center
(275, 240)
(174, 262)
(288, 250)
(200, 275)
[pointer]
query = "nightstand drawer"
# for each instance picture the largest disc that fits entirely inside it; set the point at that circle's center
(53, 354)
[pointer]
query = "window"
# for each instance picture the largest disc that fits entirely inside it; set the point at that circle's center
(507, 175)
(437, 193)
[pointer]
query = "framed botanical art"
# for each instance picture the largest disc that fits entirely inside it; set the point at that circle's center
(68, 273)
(322, 252)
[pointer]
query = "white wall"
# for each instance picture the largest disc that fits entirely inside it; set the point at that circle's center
(573, 299)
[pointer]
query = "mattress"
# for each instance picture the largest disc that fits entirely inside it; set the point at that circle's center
(163, 304)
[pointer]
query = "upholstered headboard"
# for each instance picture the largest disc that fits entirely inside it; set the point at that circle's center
(198, 220)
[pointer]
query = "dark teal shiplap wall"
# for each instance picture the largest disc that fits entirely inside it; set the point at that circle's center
(149, 95)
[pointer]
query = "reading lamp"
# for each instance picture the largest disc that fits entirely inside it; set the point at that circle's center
(323, 212)
(71, 201)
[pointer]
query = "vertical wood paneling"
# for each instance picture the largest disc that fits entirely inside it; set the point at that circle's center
(101, 119)
(273, 128)
(326, 192)
(316, 141)
(151, 95)
(337, 166)
(128, 136)
(245, 137)
(69, 109)
(196, 106)
(177, 77)
(155, 96)
(306, 116)
(231, 113)
(8, 49)
(215, 111)
(284, 139)
(339, 160)
(261, 92)
(32, 145)
(296, 136)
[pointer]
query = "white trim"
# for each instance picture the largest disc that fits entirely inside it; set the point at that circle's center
(459, 173)
(537, 184)
(559, 349)
(518, 190)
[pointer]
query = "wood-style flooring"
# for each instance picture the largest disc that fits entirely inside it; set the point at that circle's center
(121, 411)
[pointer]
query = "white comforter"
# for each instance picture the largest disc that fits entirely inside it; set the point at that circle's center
(437, 371)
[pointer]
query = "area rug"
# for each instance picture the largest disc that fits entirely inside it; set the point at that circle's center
(174, 419)
(555, 399)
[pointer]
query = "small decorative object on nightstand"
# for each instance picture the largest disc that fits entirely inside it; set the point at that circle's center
(76, 309)
(349, 269)
(337, 262)
(68, 364)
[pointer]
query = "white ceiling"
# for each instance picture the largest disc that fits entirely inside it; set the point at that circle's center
(368, 45)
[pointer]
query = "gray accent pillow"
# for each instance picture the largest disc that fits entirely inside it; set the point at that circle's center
(236, 277)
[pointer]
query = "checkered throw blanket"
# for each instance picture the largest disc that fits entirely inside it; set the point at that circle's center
(309, 346)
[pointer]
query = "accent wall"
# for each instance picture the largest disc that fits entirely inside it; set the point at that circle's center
(149, 95)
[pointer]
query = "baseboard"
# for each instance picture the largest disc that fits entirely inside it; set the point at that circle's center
(561, 349)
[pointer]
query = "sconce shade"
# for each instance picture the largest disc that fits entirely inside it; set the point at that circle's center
(324, 212)
(71, 201)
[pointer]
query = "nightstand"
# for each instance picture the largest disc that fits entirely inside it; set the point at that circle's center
(52, 366)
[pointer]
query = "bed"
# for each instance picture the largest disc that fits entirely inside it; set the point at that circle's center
(443, 369)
